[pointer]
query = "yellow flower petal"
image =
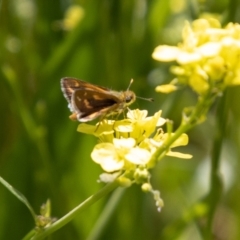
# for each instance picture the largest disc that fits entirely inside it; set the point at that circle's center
(188, 57)
(123, 126)
(209, 49)
(138, 156)
(86, 128)
(108, 177)
(198, 83)
(181, 141)
(161, 121)
(124, 142)
(106, 155)
(166, 53)
(166, 88)
(137, 114)
(111, 165)
(104, 127)
(179, 155)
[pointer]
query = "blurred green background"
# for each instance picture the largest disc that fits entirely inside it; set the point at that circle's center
(105, 42)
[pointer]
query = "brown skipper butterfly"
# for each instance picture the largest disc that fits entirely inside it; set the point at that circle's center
(88, 101)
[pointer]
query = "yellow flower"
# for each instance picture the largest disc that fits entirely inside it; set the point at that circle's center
(127, 147)
(122, 154)
(208, 57)
(137, 125)
(127, 144)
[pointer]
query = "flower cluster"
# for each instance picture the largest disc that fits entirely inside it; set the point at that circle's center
(208, 57)
(127, 147)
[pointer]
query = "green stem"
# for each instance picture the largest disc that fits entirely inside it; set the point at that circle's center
(188, 122)
(215, 177)
(106, 214)
(69, 216)
(196, 116)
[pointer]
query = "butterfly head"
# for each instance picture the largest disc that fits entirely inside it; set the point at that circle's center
(129, 97)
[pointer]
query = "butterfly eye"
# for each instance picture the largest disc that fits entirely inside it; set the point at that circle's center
(128, 98)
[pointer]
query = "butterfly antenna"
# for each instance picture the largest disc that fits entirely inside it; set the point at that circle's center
(131, 81)
(147, 99)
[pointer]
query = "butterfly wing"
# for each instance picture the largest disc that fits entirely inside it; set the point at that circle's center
(69, 85)
(89, 104)
(88, 101)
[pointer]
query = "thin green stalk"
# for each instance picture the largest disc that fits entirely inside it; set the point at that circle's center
(106, 214)
(215, 177)
(188, 122)
(69, 216)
